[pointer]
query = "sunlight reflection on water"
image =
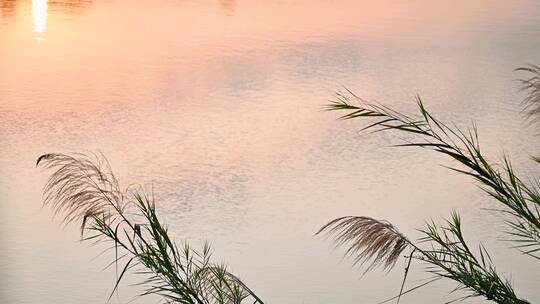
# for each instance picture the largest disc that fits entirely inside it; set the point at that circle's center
(39, 18)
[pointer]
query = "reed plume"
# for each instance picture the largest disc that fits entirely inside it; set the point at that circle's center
(369, 241)
(81, 188)
(531, 86)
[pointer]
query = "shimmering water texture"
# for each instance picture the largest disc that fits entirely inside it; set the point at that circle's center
(216, 106)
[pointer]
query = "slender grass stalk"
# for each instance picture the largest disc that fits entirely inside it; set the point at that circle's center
(82, 189)
(378, 243)
(521, 200)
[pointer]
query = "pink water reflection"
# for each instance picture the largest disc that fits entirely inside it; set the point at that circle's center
(218, 105)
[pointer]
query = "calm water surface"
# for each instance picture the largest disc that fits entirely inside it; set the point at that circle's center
(216, 104)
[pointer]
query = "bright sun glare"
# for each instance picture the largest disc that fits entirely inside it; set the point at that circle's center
(39, 16)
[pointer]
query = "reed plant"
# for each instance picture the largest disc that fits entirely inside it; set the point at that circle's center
(83, 189)
(377, 243)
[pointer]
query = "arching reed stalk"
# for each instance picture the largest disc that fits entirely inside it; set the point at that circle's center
(379, 243)
(83, 189)
(443, 249)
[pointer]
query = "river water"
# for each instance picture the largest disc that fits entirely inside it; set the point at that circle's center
(216, 106)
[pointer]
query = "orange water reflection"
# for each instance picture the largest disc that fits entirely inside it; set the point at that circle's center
(184, 37)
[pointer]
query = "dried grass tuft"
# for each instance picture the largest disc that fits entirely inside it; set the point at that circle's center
(372, 242)
(81, 188)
